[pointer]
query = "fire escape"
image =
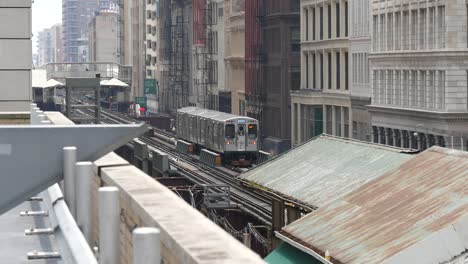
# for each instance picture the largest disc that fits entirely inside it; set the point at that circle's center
(176, 90)
(203, 21)
(255, 93)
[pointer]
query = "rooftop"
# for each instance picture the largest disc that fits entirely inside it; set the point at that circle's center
(415, 213)
(322, 169)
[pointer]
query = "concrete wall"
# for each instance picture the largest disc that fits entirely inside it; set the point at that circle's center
(15, 55)
(186, 235)
(234, 53)
(103, 38)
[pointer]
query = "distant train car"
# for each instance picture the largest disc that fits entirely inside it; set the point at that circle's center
(233, 136)
(49, 98)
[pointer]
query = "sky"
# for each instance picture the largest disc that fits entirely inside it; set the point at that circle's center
(45, 13)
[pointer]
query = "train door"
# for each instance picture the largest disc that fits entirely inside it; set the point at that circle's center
(202, 130)
(241, 137)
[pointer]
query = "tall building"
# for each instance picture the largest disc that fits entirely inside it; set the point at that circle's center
(131, 34)
(15, 56)
(151, 60)
(334, 71)
(234, 53)
(175, 46)
(272, 67)
(208, 46)
(49, 45)
(76, 14)
(103, 37)
(419, 73)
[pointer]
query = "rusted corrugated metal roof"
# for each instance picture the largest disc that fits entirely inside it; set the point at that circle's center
(325, 168)
(416, 213)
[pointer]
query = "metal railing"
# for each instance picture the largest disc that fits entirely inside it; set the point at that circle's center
(107, 70)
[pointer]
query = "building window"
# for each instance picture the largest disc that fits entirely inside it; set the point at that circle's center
(338, 70)
(329, 114)
(329, 21)
(306, 55)
(337, 20)
(314, 83)
(346, 122)
(346, 70)
(295, 39)
(321, 22)
(295, 77)
(329, 75)
(307, 24)
(321, 70)
(313, 23)
(346, 19)
(338, 121)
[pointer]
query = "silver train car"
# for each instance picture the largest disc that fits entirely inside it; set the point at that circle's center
(233, 136)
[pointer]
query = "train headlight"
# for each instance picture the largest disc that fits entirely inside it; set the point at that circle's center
(254, 142)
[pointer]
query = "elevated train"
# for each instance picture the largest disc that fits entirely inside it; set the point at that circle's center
(234, 137)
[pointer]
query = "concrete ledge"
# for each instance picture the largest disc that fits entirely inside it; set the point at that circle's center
(58, 118)
(14, 118)
(186, 235)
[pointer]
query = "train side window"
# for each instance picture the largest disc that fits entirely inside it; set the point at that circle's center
(230, 131)
(252, 131)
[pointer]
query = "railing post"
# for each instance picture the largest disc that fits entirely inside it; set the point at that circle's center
(84, 183)
(146, 245)
(69, 161)
(109, 225)
(246, 239)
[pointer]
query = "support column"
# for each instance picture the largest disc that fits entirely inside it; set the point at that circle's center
(387, 136)
(343, 122)
(410, 139)
(373, 136)
(394, 138)
(293, 124)
(277, 221)
(333, 119)
(436, 25)
(69, 161)
(380, 135)
(146, 245)
(84, 186)
(109, 225)
(324, 107)
(299, 123)
(410, 23)
(419, 138)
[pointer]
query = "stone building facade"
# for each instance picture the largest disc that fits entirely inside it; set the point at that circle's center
(334, 91)
(234, 43)
(419, 73)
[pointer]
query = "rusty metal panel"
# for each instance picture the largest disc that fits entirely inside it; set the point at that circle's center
(415, 213)
(324, 168)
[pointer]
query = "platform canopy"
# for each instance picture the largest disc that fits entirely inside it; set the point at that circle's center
(114, 82)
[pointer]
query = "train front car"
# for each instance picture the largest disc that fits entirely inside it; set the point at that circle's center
(241, 141)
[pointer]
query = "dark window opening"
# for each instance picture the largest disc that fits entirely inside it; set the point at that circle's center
(321, 71)
(307, 70)
(346, 71)
(252, 131)
(338, 72)
(230, 131)
(329, 21)
(321, 22)
(329, 70)
(313, 72)
(295, 39)
(313, 23)
(337, 20)
(346, 19)
(307, 24)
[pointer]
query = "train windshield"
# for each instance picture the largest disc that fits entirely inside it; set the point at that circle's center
(230, 131)
(252, 131)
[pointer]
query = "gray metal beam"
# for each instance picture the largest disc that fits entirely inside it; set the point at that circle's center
(31, 156)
